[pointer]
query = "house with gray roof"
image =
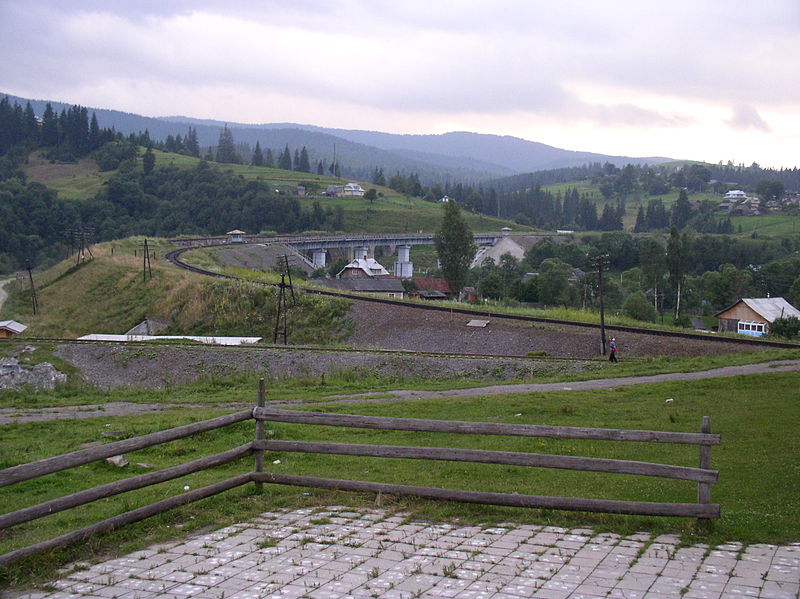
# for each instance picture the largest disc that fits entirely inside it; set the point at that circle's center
(753, 315)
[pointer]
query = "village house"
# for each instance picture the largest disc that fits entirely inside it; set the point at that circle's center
(353, 190)
(379, 286)
(753, 315)
(362, 268)
(11, 328)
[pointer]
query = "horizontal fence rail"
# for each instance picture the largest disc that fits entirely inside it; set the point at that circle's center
(16, 474)
(496, 457)
(121, 486)
(640, 508)
(483, 428)
(128, 518)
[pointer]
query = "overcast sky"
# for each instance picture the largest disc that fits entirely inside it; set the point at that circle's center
(702, 79)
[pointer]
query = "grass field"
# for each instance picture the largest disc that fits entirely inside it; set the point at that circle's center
(755, 415)
(769, 225)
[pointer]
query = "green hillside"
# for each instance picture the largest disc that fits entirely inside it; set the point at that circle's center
(109, 294)
(390, 212)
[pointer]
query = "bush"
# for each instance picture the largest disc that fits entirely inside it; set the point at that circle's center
(788, 328)
(639, 307)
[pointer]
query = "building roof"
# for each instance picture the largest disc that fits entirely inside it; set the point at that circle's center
(235, 232)
(769, 308)
(201, 339)
(433, 284)
(370, 266)
(13, 326)
(366, 285)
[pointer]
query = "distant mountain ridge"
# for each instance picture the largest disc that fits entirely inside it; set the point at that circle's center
(455, 156)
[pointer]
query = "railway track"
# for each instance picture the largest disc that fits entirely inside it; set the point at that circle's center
(174, 257)
(293, 348)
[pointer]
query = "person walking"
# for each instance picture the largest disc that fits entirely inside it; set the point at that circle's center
(613, 350)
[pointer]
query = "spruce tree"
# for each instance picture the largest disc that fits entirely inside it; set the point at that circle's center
(226, 149)
(304, 165)
(192, 145)
(258, 157)
(269, 159)
(285, 159)
(49, 127)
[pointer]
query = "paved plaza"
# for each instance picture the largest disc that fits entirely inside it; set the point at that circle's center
(338, 552)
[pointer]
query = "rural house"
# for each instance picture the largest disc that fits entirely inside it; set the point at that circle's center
(362, 268)
(353, 189)
(10, 328)
(383, 286)
(753, 315)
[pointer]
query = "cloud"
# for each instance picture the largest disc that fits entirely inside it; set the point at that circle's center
(746, 117)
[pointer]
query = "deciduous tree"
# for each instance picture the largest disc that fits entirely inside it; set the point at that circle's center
(455, 246)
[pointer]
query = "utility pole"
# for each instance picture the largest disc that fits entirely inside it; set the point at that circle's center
(289, 275)
(601, 262)
(281, 312)
(147, 271)
(34, 300)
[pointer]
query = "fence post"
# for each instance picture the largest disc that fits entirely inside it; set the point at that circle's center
(704, 489)
(259, 453)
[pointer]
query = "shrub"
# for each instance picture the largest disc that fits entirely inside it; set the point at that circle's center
(639, 307)
(788, 328)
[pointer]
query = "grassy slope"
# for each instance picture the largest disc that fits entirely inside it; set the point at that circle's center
(392, 213)
(108, 294)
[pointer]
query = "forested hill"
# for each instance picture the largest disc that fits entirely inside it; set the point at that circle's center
(513, 153)
(458, 156)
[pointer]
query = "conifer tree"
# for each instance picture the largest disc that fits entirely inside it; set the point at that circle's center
(285, 159)
(192, 145)
(269, 159)
(304, 166)
(49, 127)
(226, 149)
(258, 157)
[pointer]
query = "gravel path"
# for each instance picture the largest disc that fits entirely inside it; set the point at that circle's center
(3, 293)
(20, 415)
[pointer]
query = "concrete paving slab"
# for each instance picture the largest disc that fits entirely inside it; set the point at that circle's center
(341, 553)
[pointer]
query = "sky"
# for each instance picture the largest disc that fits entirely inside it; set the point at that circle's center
(712, 80)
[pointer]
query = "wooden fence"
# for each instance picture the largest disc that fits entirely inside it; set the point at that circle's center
(703, 476)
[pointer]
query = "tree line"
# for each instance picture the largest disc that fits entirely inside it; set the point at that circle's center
(165, 201)
(673, 274)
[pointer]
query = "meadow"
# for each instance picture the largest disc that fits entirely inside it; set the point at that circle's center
(755, 415)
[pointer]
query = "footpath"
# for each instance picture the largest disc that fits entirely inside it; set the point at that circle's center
(338, 552)
(20, 415)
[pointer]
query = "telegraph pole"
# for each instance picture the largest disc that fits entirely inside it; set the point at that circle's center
(281, 312)
(146, 268)
(601, 262)
(34, 300)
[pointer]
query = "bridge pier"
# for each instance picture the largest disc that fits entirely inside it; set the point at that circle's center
(404, 268)
(319, 258)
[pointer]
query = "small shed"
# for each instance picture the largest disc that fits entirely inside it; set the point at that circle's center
(753, 315)
(11, 328)
(235, 236)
